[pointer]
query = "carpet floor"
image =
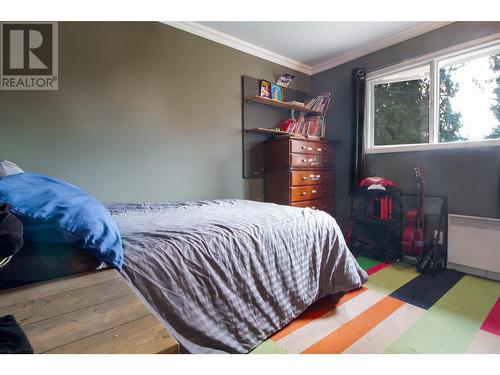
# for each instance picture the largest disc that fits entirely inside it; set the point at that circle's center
(398, 311)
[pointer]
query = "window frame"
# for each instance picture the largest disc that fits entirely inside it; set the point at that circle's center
(464, 51)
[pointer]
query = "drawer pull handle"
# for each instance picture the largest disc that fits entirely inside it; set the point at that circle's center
(309, 149)
(304, 193)
(303, 147)
(319, 149)
(313, 207)
(304, 178)
(304, 160)
(314, 191)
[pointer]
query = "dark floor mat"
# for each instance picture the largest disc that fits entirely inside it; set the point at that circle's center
(424, 290)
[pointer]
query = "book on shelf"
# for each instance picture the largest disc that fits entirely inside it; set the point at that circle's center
(319, 103)
(293, 102)
(309, 124)
(305, 125)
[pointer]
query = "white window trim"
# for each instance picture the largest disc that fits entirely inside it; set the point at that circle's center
(445, 56)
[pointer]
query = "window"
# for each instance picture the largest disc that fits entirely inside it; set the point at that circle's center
(401, 108)
(438, 101)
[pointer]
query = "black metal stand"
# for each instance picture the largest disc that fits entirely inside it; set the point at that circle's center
(435, 211)
(376, 223)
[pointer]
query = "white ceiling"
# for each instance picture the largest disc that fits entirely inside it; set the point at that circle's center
(309, 47)
(310, 43)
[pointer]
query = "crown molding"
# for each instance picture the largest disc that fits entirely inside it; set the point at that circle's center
(252, 49)
(366, 49)
(241, 45)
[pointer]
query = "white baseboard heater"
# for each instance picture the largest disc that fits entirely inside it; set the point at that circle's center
(474, 245)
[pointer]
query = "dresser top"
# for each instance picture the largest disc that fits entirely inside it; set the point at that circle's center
(295, 138)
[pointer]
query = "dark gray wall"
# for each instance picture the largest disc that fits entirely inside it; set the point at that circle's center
(470, 177)
(144, 111)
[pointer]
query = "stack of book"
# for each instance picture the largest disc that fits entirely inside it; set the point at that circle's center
(310, 126)
(319, 103)
(308, 123)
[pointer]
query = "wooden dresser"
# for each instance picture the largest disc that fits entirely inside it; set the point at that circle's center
(299, 173)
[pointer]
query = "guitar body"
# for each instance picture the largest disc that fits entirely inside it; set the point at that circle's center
(412, 242)
(413, 235)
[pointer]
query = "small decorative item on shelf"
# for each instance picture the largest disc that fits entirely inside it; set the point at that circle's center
(277, 92)
(265, 89)
(285, 80)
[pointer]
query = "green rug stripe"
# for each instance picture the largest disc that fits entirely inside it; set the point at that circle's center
(367, 263)
(390, 279)
(268, 347)
(450, 325)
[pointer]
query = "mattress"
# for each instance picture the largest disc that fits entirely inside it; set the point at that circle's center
(223, 275)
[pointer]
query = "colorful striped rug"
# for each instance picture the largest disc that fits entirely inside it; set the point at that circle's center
(398, 311)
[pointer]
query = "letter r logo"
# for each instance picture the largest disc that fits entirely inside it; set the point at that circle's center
(27, 49)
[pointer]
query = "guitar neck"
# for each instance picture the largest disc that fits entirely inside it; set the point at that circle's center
(421, 206)
(421, 183)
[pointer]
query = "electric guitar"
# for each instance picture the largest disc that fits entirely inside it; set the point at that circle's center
(413, 234)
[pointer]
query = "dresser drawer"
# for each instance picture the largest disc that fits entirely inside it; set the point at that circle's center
(312, 177)
(311, 161)
(317, 204)
(310, 147)
(310, 192)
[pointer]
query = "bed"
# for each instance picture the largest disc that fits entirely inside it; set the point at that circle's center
(223, 275)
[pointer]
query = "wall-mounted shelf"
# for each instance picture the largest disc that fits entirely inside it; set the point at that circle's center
(275, 132)
(285, 105)
(263, 113)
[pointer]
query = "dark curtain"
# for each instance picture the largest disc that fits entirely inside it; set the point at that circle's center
(358, 156)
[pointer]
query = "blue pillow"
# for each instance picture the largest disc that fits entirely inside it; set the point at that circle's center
(55, 212)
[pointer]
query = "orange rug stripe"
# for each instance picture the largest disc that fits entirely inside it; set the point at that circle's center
(315, 311)
(342, 338)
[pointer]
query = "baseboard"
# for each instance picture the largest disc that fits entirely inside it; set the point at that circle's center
(475, 271)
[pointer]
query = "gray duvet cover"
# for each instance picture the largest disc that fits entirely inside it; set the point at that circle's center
(224, 275)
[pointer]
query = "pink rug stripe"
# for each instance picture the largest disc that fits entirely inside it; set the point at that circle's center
(377, 268)
(492, 322)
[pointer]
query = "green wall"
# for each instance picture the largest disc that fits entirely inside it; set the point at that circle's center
(144, 112)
